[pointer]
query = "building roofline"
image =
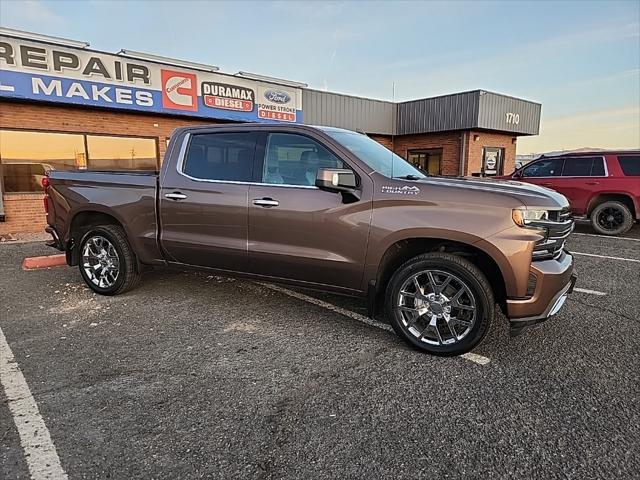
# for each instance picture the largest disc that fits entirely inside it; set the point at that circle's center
(480, 91)
(349, 95)
(51, 40)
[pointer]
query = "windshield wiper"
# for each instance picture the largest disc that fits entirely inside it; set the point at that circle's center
(409, 177)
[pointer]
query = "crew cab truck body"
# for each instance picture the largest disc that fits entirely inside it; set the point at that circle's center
(327, 209)
(603, 186)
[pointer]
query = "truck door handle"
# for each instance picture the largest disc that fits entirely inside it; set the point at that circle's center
(593, 183)
(547, 184)
(266, 202)
(175, 196)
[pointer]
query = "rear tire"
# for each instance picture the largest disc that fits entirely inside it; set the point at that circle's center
(440, 303)
(611, 218)
(106, 260)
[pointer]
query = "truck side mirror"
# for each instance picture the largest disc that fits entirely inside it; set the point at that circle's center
(340, 180)
(337, 179)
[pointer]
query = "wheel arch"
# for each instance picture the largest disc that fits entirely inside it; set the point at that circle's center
(81, 221)
(406, 248)
(623, 197)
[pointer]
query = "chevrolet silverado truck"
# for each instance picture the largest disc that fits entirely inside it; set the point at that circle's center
(326, 209)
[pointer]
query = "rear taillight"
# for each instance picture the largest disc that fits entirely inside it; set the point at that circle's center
(45, 200)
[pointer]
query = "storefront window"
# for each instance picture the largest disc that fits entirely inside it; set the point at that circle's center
(426, 160)
(121, 153)
(26, 156)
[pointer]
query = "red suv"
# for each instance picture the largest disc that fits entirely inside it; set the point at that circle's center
(601, 186)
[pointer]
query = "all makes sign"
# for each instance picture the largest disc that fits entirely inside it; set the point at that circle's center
(41, 71)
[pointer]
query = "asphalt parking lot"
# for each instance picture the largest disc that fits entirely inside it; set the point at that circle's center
(197, 376)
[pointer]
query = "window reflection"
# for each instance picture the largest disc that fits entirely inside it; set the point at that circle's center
(121, 153)
(26, 156)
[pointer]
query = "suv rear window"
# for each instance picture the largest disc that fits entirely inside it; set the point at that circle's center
(630, 165)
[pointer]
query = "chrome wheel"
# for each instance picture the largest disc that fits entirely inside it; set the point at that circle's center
(100, 262)
(436, 307)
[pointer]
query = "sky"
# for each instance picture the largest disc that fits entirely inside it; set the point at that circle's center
(580, 59)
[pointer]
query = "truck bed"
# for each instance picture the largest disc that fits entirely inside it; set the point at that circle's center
(128, 197)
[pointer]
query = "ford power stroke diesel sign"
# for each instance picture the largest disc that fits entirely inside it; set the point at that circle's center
(40, 71)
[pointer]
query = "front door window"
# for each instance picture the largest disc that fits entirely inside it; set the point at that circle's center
(293, 159)
(549, 167)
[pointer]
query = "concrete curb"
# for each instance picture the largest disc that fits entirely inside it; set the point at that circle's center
(33, 263)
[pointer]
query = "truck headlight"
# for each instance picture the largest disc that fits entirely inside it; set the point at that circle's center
(524, 218)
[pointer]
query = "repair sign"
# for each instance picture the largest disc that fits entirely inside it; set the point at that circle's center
(40, 71)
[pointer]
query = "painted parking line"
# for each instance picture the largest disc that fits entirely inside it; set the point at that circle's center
(606, 256)
(590, 292)
(40, 453)
(473, 357)
(329, 306)
(605, 236)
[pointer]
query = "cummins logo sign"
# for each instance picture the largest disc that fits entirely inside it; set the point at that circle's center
(179, 90)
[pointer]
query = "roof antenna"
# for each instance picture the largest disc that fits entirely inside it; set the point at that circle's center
(393, 103)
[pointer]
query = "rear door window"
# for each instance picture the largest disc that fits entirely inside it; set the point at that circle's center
(221, 156)
(583, 167)
(549, 167)
(630, 165)
(598, 167)
(577, 167)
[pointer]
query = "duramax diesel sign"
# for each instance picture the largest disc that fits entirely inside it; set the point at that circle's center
(41, 71)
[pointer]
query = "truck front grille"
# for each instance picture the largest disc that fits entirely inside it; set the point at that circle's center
(558, 227)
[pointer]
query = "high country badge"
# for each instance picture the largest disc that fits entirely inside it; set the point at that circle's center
(227, 97)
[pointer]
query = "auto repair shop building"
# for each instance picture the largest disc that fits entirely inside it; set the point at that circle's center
(63, 105)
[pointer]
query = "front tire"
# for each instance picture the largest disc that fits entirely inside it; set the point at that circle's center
(440, 303)
(107, 262)
(611, 218)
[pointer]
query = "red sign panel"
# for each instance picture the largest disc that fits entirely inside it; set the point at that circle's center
(179, 90)
(271, 115)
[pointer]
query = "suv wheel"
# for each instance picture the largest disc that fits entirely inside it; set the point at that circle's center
(611, 218)
(107, 262)
(440, 303)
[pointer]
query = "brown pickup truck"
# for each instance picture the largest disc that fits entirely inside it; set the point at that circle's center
(327, 209)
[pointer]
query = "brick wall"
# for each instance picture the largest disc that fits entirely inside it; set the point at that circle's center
(84, 120)
(449, 142)
(383, 139)
(488, 139)
(24, 213)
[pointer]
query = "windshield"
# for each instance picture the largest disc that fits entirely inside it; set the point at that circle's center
(378, 157)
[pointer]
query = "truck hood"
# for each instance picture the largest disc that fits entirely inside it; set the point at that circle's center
(528, 194)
